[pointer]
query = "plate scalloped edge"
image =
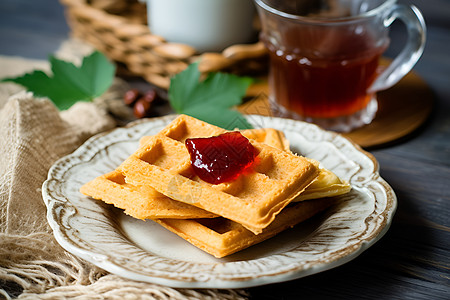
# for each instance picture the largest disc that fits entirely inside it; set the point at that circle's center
(345, 231)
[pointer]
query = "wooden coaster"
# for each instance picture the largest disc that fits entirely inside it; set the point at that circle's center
(401, 110)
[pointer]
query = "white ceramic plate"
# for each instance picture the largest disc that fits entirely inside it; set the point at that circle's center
(144, 251)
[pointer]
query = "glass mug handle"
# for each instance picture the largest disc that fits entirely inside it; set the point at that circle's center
(407, 58)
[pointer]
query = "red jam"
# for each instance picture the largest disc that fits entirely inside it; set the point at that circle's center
(220, 158)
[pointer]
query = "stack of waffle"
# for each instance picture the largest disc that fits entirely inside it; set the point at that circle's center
(157, 182)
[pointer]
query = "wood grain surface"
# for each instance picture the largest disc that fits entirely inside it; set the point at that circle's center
(412, 261)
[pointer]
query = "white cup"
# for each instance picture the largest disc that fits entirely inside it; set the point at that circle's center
(206, 25)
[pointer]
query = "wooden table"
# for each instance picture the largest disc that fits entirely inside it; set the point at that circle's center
(412, 261)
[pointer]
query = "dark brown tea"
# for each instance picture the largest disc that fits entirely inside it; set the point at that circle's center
(325, 74)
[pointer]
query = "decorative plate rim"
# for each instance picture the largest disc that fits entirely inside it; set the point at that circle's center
(60, 211)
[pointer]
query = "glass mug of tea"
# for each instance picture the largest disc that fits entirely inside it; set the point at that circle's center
(324, 57)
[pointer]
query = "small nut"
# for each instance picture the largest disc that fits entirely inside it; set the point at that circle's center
(131, 96)
(150, 96)
(141, 108)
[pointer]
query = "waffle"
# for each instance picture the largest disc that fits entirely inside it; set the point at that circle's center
(145, 202)
(221, 237)
(253, 200)
(327, 184)
(139, 202)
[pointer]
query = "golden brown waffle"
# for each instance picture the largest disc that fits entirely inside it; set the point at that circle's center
(253, 200)
(327, 184)
(147, 203)
(141, 203)
(221, 237)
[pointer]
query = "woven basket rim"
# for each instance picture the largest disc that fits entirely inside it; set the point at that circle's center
(130, 36)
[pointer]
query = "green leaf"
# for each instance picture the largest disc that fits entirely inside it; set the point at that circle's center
(222, 89)
(41, 85)
(226, 118)
(70, 83)
(182, 87)
(212, 99)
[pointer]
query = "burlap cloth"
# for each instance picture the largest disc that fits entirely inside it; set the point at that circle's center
(33, 135)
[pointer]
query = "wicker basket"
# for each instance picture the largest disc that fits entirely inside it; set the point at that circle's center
(119, 30)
